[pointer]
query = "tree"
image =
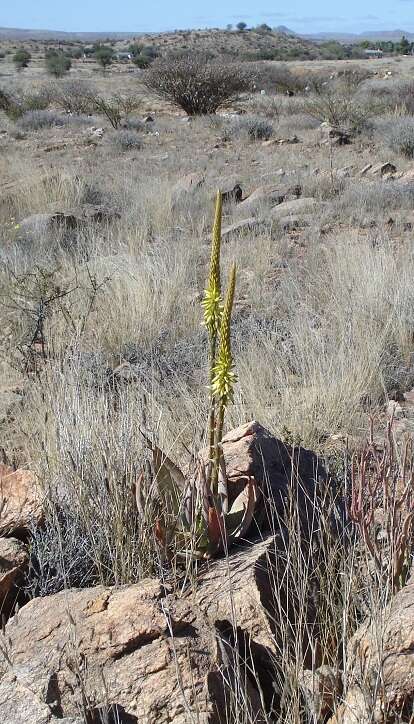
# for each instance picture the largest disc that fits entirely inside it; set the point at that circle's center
(404, 46)
(196, 83)
(104, 55)
(57, 63)
(22, 58)
(241, 26)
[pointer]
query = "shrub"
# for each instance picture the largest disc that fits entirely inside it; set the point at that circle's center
(35, 120)
(57, 64)
(254, 127)
(73, 96)
(115, 108)
(127, 140)
(104, 55)
(134, 124)
(22, 58)
(195, 83)
(398, 134)
(338, 107)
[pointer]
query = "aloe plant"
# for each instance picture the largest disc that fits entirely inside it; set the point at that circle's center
(203, 523)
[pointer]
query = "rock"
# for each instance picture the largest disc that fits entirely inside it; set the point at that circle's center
(268, 196)
(382, 169)
(20, 500)
(14, 558)
(293, 223)
(231, 192)
(295, 207)
(66, 221)
(144, 654)
(148, 119)
(281, 141)
(382, 650)
(186, 185)
(251, 451)
(364, 171)
(239, 227)
(322, 689)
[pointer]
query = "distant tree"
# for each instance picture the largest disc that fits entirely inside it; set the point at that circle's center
(57, 63)
(104, 55)
(404, 46)
(263, 29)
(21, 58)
(241, 26)
(229, 27)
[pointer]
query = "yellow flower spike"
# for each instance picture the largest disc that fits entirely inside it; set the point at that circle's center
(223, 376)
(212, 295)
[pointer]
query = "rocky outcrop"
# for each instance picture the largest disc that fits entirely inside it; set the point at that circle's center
(381, 666)
(280, 472)
(20, 500)
(135, 651)
(14, 558)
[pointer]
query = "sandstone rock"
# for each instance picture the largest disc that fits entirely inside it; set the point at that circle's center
(381, 169)
(322, 689)
(268, 196)
(251, 451)
(295, 207)
(66, 221)
(240, 227)
(13, 560)
(382, 651)
(231, 192)
(293, 223)
(134, 651)
(20, 500)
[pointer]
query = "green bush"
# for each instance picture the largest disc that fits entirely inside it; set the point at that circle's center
(57, 64)
(104, 55)
(22, 58)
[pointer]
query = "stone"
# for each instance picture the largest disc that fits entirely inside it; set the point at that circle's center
(382, 169)
(148, 119)
(293, 223)
(322, 689)
(137, 652)
(14, 558)
(20, 500)
(231, 192)
(66, 221)
(240, 227)
(382, 652)
(268, 196)
(364, 171)
(251, 451)
(295, 207)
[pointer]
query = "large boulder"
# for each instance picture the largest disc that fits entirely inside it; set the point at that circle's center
(132, 654)
(295, 207)
(282, 473)
(381, 667)
(20, 500)
(14, 558)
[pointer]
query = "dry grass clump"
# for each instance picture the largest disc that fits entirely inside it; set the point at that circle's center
(397, 133)
(126, 140)
(251, 128)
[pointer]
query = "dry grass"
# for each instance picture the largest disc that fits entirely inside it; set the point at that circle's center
(323, 330)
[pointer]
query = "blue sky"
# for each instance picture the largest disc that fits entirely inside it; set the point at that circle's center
(147, 15)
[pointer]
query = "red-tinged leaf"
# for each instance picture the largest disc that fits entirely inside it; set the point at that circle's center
(159, 532)
(215, 527)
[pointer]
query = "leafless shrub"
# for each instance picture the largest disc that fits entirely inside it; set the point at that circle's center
(339, 107)
(73, 96)
(126, 140)
(196, 83)
(382, 507)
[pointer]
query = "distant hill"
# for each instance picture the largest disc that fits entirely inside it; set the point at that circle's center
(252, 44)
(27, 34)
(392, 35)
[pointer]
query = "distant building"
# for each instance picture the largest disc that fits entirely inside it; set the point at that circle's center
(372, 53)
(123, 56)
